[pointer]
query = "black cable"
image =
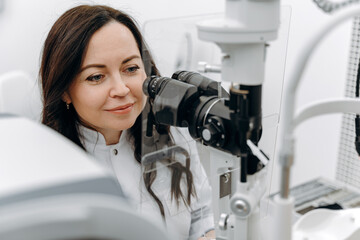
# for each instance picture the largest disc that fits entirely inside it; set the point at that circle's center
(357, 118)
(357, 80)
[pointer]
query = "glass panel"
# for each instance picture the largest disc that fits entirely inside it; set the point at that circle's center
(173, 170)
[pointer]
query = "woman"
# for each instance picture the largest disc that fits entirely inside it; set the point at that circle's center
(93, 67)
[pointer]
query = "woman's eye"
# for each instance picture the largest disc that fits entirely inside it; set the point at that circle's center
(132, 69)
(95, 78)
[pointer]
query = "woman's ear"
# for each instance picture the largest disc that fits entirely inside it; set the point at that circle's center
(66, 98)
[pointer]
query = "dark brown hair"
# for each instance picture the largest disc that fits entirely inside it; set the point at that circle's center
(62, 56)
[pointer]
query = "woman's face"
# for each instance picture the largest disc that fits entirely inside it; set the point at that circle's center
(107, 92)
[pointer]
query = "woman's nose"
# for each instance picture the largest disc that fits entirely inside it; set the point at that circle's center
(118, 87)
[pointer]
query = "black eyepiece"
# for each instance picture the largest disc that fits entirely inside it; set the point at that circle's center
(206, 86)
(153, 85)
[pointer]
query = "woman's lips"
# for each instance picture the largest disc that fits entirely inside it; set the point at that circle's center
(122, 109)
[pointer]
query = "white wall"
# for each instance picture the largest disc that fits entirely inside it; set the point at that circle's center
(24, 25)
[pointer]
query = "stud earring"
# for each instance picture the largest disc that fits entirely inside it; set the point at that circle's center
(67, 106)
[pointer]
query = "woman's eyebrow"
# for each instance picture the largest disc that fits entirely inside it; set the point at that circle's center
(92, 65)
(128, 59)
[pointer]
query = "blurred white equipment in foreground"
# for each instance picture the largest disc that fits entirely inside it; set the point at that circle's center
(329, 224)
(19, 94)
(50, 189)
(284, 202)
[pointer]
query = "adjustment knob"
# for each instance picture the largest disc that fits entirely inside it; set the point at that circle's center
(212, 132)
